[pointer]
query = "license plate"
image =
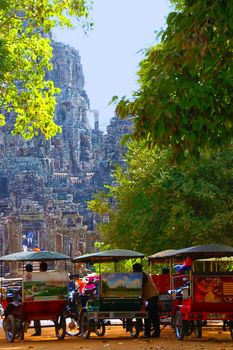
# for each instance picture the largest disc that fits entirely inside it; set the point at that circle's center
(216, 316)
(165, 320)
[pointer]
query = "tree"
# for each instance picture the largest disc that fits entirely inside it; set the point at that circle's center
(185, 95)
(159, 206)
(25, 53)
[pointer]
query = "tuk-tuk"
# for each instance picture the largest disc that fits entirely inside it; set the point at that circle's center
(118, 295)
(41, 296)
(200, 288)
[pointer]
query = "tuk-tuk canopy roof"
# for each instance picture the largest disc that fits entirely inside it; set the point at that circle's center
(34, 256)
(160, 256)
(197, 252)
(109, 255)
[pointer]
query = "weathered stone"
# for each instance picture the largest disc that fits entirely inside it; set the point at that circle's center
(44, 185)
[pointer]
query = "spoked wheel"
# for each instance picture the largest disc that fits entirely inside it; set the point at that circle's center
(85, 326)
(178, 326)
(10, 328)
(100, 328)
(197, 328)
(60, 327)
(187, 327)
(135, 328)
(21, 335)
(231, 328)
(72, 326)
(20, 330)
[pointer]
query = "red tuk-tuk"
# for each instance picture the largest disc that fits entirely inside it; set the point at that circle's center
(200, 290)
(42, 295)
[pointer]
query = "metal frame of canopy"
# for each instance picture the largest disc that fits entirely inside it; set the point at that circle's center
(197, 252)
(114, 255)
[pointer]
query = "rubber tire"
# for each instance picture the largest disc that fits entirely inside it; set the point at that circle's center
(100, 328)
(134, 329)
(197, 329)
(178, 326)
(76, 331)
(84, 325)
(22, 335)
(60, 327)
(10, 328)
(187, 327)
(20, 330)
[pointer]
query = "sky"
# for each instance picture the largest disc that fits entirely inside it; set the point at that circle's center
(111, 52)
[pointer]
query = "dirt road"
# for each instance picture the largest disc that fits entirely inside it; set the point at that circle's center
(117, 339)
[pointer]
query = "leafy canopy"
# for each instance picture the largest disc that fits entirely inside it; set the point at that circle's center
(185, 95)
(25, 54)
(159, 206)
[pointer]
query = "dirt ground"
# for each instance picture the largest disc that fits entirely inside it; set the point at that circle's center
(117, 339)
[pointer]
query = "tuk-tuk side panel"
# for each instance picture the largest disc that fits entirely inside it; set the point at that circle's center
(213, 289)
(38, 286)
(121, 285)
(212, 293)
(120, 304)
(118, 292)
(42, 310)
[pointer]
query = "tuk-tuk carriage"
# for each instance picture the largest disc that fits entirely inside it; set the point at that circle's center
(42, 295)
(10, 287)
(201, 288)
(118, 295)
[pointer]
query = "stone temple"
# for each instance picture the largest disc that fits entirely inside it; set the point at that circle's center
(44, 185)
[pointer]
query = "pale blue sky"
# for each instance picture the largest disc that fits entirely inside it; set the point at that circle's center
(111, 52)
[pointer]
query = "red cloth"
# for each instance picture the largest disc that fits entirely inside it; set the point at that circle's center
(162, 282)
(188, 262)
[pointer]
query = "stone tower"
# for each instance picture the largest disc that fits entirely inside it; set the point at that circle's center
(44, 185)
(37, 177)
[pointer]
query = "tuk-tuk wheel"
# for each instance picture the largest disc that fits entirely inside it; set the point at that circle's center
(231, 328)
(135, 328)
(197, 328)
(60, 327)
(72, 326)
(85, 326)
(179, 327)
(10, 328)
(20, 330)
(100, 328)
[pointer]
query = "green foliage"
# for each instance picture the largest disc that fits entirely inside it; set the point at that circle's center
(25, 54)
(162, 206)
(185, 90)
(121, 266)
(99, 204)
